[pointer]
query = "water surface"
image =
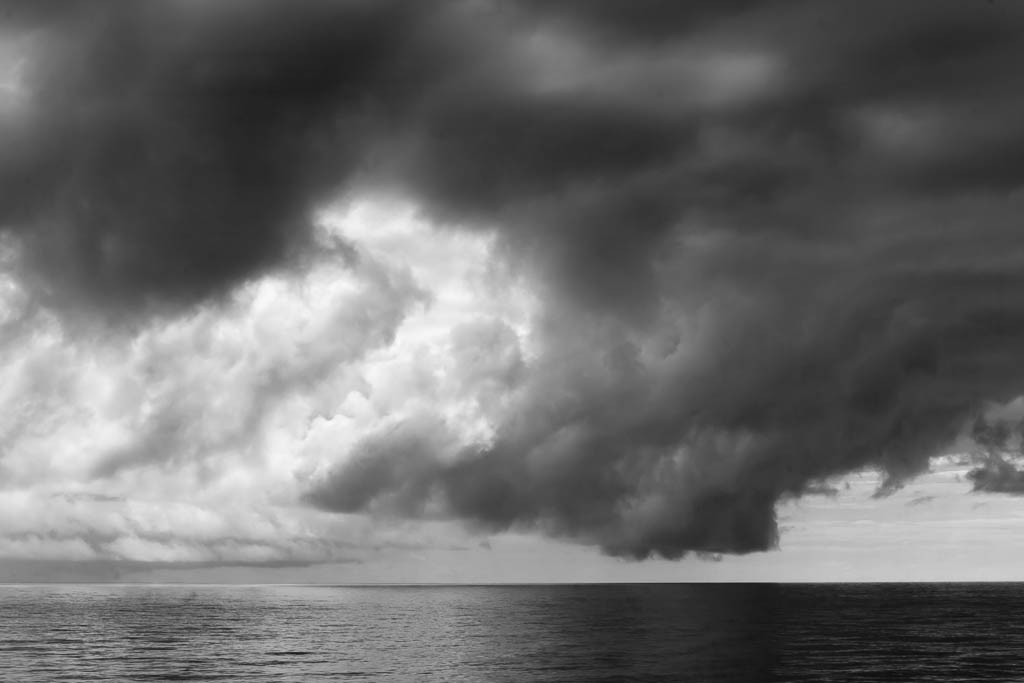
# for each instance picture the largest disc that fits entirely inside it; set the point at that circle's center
(665, 632)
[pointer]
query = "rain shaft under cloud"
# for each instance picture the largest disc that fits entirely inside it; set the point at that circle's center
(774, 242)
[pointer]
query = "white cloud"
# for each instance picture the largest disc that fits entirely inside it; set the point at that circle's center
(200, 429)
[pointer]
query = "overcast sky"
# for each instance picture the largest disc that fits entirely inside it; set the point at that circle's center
(486, 290)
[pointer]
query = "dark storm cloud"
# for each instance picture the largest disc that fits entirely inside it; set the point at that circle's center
(998, 477)
(174, 148)
(645, 21)
(776, 241)
(997, 473)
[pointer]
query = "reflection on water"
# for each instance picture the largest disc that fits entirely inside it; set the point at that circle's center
(740, 632)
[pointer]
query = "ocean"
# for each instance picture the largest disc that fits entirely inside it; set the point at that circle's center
(641, 632)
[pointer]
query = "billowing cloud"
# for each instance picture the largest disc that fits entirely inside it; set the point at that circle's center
(185, 440)
(770, 242)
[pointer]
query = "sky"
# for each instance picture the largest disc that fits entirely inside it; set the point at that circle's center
(509, 291)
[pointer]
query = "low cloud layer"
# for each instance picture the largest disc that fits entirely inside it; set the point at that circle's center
(773, 242)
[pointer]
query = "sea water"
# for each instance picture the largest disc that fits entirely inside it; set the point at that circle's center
(663, 632)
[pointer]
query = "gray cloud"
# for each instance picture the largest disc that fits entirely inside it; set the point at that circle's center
(776, 241)
(998, 476)
(173, 149)
(996, 435)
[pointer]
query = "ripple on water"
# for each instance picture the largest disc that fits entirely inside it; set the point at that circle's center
(737, 632)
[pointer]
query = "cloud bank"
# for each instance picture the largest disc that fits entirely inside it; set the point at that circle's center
(771, 242)
(183, 439)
